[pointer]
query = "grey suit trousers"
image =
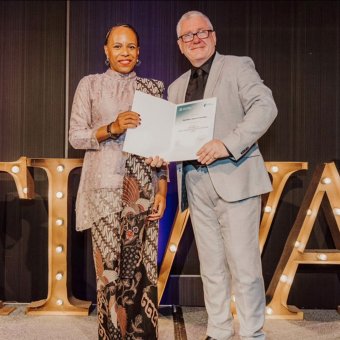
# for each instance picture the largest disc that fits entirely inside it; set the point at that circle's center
(226, 235)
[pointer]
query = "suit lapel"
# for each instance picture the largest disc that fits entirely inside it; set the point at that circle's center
(214, 74)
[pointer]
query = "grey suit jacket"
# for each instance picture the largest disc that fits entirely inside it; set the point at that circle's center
(245, 110)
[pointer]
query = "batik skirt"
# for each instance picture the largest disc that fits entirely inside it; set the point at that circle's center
(125, 256)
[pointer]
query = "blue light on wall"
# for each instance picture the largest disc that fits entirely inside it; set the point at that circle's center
(169, 215)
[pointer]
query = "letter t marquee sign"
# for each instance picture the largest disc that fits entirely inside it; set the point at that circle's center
(59, 299)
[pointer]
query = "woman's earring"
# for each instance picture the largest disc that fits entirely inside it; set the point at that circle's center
(138, 62)
(107, 62)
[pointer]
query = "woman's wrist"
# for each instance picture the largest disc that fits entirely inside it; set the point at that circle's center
(112, 135)
(162, 187)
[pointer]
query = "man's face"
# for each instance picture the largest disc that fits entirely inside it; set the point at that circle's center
(197, 51)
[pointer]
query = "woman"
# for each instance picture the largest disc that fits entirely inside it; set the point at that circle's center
(120, 197)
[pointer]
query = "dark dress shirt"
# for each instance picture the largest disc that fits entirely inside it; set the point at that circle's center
(198, 80)
(195, 91)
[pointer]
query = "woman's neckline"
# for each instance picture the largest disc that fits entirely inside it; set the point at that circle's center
(118, 75)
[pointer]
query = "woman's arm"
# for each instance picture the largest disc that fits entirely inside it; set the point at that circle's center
(160, 200)
(82, 135)
(125, 120)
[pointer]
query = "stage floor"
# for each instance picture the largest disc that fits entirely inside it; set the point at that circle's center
(175, 323)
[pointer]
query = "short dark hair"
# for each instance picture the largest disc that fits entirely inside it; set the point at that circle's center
(122, 25)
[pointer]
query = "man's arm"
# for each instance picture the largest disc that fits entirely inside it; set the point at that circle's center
(259, 108)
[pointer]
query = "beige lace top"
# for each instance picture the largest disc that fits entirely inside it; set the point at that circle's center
(97, 101)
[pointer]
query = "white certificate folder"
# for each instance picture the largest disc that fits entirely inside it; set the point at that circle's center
(173, 132)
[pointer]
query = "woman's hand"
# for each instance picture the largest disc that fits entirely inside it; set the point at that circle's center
(158, 207)
(125, 120)
(155, 162)
(160, 201)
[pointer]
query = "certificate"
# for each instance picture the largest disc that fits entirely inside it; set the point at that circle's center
(173, 132)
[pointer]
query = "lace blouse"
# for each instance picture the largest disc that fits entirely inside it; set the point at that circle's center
(98, 99)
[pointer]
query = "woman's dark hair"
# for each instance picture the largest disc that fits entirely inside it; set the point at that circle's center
(122, 25)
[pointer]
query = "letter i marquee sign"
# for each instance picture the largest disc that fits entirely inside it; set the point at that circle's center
(323, 192)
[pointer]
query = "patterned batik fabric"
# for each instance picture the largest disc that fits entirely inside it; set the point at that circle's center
(125, 256)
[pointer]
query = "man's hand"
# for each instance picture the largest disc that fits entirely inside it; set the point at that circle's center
(211, 151)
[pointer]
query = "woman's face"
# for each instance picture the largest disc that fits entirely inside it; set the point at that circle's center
(122, 50)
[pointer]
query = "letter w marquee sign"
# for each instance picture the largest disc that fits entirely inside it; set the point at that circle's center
(325, 182)
(323, 193)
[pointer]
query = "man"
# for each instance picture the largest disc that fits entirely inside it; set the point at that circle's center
(223, 186)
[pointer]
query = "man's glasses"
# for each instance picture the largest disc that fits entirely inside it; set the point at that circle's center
(190, 36)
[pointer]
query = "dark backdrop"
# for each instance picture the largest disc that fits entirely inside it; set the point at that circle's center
(296, 49)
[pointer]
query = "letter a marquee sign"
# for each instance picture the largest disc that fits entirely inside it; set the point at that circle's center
(323, 192)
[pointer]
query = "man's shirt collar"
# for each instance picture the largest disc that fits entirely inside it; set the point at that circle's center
(206, 66)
